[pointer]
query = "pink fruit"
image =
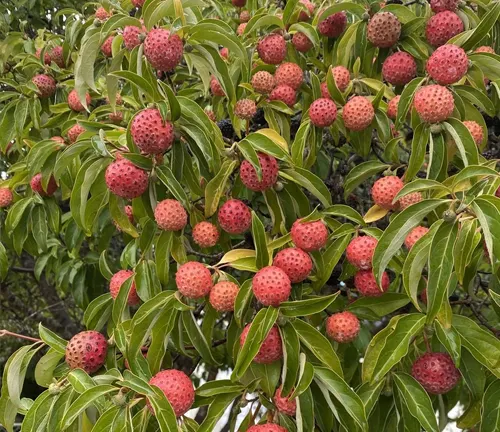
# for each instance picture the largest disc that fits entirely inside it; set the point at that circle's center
(223, 295)
(234, 217)
(163, 49)
(323, 112)
(272, 49)
(289, 74)
(309, 236)
(46, 56)
(170, 215)
(301, 42)
(193, 280)
(268, 427)
(284, 94)
(358, 113)
(245, 16)
(46, 85)
(86, 350)
(177, 388)
(74, 102)
(263, 82)
(334, 25)
(296, 263)
(485, 49)
(284, 404)
(385, 189)
(434, 103)
(130, 215)
(448, 64)
(205, 234)
(102, 14)
(365, 283)
(57, 56)
(304, 15)
(107, 46)
(138, 3)
(216, 88)
(475, 130)
(415, 234)
(245, 109)
(58, 139)
(116, 283)
(74, 132)
(409, 199)
(36, 186)
(131, 36)
(384, 29)
(224, 53)
(6, 197)
(239, 3)
(210, 114)
(342, 327)
(360, 251)
(342, 77)
(269, 169)
(392, 107)
(271, 286)
(444, 5)
(436, 372)
(126, 180)
(399, 68)
(241, 28)
(270, 350)
(442, 27)
(151, 133)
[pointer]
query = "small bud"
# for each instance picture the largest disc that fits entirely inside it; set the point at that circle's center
(119, 399)
(436, 129)
(287, 36)
(97, 23)
(54, 389)
(188, 48)
(365, 16)
(449, 215)
(142, 37)
(278, 187)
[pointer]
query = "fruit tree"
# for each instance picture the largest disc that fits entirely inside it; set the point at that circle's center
(273, 216)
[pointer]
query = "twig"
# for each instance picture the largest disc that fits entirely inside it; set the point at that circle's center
(22, 269)
(19, 336)
(477, 313)
(195, 365)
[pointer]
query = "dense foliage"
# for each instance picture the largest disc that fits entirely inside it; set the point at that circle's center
(298, 198)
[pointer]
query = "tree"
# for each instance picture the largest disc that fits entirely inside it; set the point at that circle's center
(301, 198)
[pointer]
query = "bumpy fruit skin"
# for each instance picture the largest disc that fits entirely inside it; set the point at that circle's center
(116, 283)
(323, 112)
(211, 115)
(342, 327)
(126, 180)
(284, 94)
(205, 234)
(177, 388)
(334, 25)
(434, 103)
(241, 28)
(131, 36)
(86, 350)
(485, 49)
(272, 49)
(410, 199)
(151, 133)
(284, 405)
(74, 132)
(224, 53)
(342, 77)
(138, 3)
(384, 190)
(296, 263)
(444, 5)
(57, 56)
(269, 169)
(365, 283)
(36, 185)
(399, 68)
(245, 16)
(163, 49)
(360, 251)
(270, 350)
(475, 130)
(46, 58)
(46, 85)
(289, 74)
(301, 42)
(358, 113)
(392, 107)
(309, 236)
(223, 296)
(442, 27)
(436, 372)
(448, 64)
(216, 88)
(263, 82)
(106, 47)
(239, 3)
(170, 215)
(102, 14)
(384, 29)
(268, 427)
(415, 234)
(271, 286)
(193, 280)
(234, 217)
(58, 139)
(75, 104)
(305, 15)
(6, 197)
(245, 109)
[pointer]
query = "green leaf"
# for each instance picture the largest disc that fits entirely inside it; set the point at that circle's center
(44, 370)
(51, 339)
(98, 312)
(197, 337)
(463, 140)
(472, 171)
(374, 308)
(260, 243)
(360, 173)
(306, 375)
(307, 306)
(291, 349)
(450, 339)
(490, 411)
(406, 100)
(420, 185)
(20, 116)
(117, 212)
(215, 187)
(467, 240)
(309, 181)
(216, 410)
(418, 150)
(214, 388)
(369, 395)
(345, 211)
(484, 27)
(163, 411)
(168, 179)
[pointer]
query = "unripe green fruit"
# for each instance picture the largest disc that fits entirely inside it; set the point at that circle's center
(449, 215)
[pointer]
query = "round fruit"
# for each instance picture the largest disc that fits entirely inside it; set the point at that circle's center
(436, 372)
(234, 217)
(365, 283)
(74, 102)
(6, 197)
(151, 133)
(272, 49)
(216, 88)
(342, 77)
(74, 132)
(177, 388)
(263, 82)
(271, 286)
(342, 327)
(131, 36)
(442, 27)
(241, 29)
(448, 64)
(46, 85)
(245, 16)
(475, 130)
(106, 47)
(284, 405)
(268, 427)
(223, 295)
(289, 74)
(415, 234)
(239, 3)
(384, 29)
(309, 236)
(301, 42)
(392, 107)
(358, 113)
(36, 185)
(304, 15)
(224, 52)
(102, 14)
(86, 350)
(384, 190)
(210, 114)
(334, 25)
(360, 251)
(408, 200)
(126, 180)
(245, 109)
(58, 139)
(269, 170)
(399, 68)
(444, 5)
(323, 112)
(116, 283)
(170, 215)
(163, 49)
(270, 350)
(46, 57)
(284, 94)
(57, 56)
(485, 49)
(193, 280)
(205, 234)
(434, 103)
(296, 263)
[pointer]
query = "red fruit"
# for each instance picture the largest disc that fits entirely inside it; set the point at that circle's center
(342, 327)
(289, 74)
(342, 77)
(323, 112)
(46, 85)
(284, 405)
(410, 199)
(324, 91)
(485, 49)
(334, 25)
(86, 350)
(131, 36)
(309, 236)
(106, 47)
(392, 107)
(301, 42)
(444, 5)
(436, 372)
(442, 27)
(415, 234)
(263, 82)
(305, 15)
(385, 189)
(245, 16)
(74, 132)
(224, 52)
(268, 427)
(116, 283)
(384, 29)
(223, 296)
(245, 109)
(36, 186)
(448, 64)
(270, 350)
(269, 169)
(358, 113)
(177, 388)
(284, 94)
(115, 117)
(163, 49)
(475, 130)
(241, 28)
(216, 88)
(126, 180)
(434, 103)
(57, 56)
(46, 56)
(130, 216)
(74, 102)
(151, 133)
(271, 286)
(234, 217)
(239, 3)
(58, 139)
(272, 49)
(296, 263)
(365, 283)
(170, 215)
(102, 14)
(6, 197)
(193, 280)
(210, 114)
(205, 234)
(360, 251)
(399, 68)
(138, 3)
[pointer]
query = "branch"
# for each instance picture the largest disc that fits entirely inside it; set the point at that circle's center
(19, 336)
(23, 269)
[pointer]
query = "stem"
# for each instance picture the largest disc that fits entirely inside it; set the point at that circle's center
(427, 344)
(19, 336)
